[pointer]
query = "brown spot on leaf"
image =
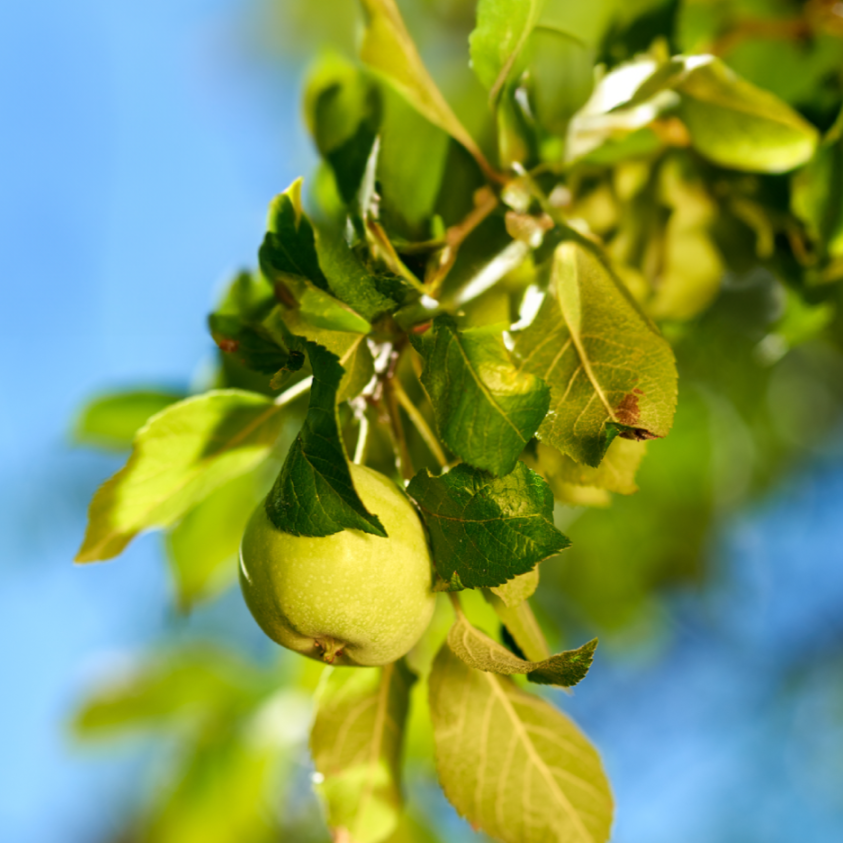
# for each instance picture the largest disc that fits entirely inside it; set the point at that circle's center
(227, 345)
(628, 412)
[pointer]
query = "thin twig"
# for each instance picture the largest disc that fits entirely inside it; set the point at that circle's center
(455, 602)
(390, 403)
(485, 202)
(294, 392)
(420, 423)
(362, 439)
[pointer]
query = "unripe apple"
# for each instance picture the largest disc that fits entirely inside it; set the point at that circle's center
(350, 598)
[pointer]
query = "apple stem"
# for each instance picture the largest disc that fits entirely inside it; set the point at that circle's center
(330, 649)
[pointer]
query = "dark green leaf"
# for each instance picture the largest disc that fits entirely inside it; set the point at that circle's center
(486, 411)
(111, 421)
(253, 345)
(356, 742)
(817, 196)
(289, 260)
(479, 651)
(342, 110)
(610, 372)
(288, 254)
(349, 280)
(314, 494)
(486, 530)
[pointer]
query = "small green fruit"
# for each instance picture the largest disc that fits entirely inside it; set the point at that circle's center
(350, 598)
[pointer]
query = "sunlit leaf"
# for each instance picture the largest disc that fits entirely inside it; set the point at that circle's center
(521, 624)
(203, 546)
(738, 125)
(616, 472)
(112, 420)
(520, 588)
(356, 742)
(486, 530)
(609, 370)
(351, 349)
(180, 456)
(512, 764)
(388, 48)
(411, 162)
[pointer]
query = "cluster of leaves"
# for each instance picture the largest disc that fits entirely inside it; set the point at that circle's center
(490, 307)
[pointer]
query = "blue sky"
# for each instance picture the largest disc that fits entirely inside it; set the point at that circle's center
(139, 149)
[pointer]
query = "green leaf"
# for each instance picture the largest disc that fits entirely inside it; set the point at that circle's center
(503, 27)
(737, 125)
(289, 261)
(486, 530)
(561, 77)
(477, 650)
(512, 764)
(220, 794)
(314, 494)
(180, 456)
(521, 624)
(252, 344)
(356, 742)
(616, 473)
(203, 546)
(242, 326)
(411, 162)
(817, 194)
(349, 279)
(517, 590)
(388, 49)
(342, 110)
(609, 370)
(288, 253)
(486, 409)
(351, 349)
(111, 421)
(193, 684)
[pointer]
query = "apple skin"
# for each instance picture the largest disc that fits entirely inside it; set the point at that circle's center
(350, 598)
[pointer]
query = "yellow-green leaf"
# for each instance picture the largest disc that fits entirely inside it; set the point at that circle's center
(479, 651)
(180, 456)
(503, 27)
(388, 48)
(737, 125)
(609, 370)
(616, 473)
(512, 764)
(356, 743)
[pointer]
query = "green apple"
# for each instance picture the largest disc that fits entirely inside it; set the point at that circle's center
(350, 598)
